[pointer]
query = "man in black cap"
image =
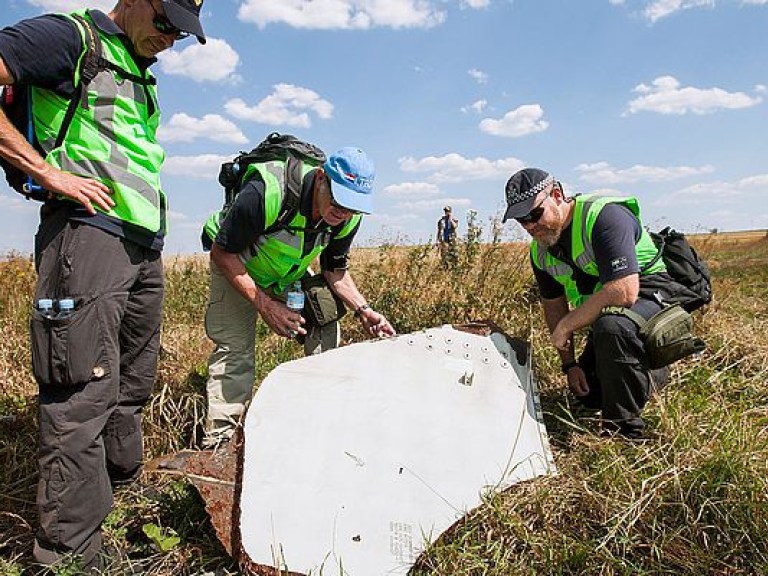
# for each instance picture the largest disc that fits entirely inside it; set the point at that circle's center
(588, 253)
(94, 160)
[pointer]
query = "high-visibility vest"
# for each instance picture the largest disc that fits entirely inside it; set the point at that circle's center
(275, 260)
(113, 140)
(586, 210)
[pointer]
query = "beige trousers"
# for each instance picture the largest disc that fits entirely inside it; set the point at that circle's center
(230, 322)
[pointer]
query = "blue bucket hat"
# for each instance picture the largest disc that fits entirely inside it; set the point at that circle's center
(352, 174)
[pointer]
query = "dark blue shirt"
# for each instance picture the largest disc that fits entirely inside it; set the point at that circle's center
(614, 237)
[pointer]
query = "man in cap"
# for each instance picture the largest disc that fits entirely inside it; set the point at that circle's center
(447, 227)
(253, 266)
(588, 253)
(101, 231)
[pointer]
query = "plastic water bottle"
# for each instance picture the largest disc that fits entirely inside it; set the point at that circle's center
(295, 298)
(66, 307)
(45, 307)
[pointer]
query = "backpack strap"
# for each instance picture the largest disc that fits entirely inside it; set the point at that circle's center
(291, 196)
(621, 311)
(661, 237)
(91, 65)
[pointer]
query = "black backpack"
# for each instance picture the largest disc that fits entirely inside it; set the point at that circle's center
(16, 102)
(684, 266)
(282, 147)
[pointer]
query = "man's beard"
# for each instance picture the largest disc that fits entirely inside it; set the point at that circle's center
(548, 236)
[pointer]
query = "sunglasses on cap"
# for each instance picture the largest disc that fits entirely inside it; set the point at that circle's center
(164, 26)
(535, 214)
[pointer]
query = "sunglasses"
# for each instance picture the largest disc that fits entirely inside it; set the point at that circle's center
(164, 26)
(534, 215)
(340, 207)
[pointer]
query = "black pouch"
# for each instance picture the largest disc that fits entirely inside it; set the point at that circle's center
(321, 306)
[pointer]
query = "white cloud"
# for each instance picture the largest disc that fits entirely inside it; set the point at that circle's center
(433, 204)
(69, 5)
(413, 189)
(204, 166)
(750, 191)
(662, 8)
(477, 106)
(605, 174)
(667, 96)
(616, 2)
(342, 14)
(519, 122)
(211, 62)
(475, 4)
(287, 105)
(478, 75)
(755, 2)
(184, 128)
(761, 88)
(455, 168)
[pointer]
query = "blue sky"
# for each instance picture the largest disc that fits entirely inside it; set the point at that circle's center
(663, 99)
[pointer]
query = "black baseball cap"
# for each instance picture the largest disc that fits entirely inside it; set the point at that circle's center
(522, 189)
(185, 15)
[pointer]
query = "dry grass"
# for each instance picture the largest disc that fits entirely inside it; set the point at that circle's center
(691, 500)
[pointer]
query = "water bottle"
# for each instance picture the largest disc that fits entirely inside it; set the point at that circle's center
(45, 307)
(295, 298)
(66, 306)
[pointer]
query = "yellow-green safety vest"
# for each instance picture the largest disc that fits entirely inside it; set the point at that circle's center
(113, 140)
(586, 210)
(275, 260)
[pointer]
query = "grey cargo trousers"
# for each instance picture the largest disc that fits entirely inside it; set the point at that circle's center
(95, 371)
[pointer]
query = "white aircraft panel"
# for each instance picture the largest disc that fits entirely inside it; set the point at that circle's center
(356, 459)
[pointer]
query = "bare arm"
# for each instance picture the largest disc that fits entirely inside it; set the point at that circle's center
(620, 292)
(17, 151)
(344, 287)
(280, 319)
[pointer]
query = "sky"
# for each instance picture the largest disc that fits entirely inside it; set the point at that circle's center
(661, 99)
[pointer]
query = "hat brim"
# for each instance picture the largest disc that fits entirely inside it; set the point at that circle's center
(350, 199)
(520, 209)
(184, 20)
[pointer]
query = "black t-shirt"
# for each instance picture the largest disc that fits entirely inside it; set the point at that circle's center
(614, 237)
(44, 52)
(244, 223)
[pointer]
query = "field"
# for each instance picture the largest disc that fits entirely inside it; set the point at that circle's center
(693, 499)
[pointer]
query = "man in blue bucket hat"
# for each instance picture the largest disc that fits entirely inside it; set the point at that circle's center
(258, 255)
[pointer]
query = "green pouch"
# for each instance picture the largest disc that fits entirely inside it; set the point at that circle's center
(322, 306)
(668, 334)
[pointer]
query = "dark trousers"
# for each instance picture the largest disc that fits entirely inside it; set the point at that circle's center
(95, 371)
(613, 360)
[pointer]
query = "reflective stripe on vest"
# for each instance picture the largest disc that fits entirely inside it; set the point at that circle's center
(275, 260)
(586, 210)
(114, 140)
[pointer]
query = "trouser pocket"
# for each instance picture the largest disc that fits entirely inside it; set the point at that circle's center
(69, 351)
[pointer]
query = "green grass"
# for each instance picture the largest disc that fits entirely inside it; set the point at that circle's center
(691, 500)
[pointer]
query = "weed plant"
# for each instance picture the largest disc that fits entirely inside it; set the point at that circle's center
(692, 499)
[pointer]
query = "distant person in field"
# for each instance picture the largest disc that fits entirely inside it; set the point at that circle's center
(589, 252)
(253, 268)
(102, 227)
(447, 230)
